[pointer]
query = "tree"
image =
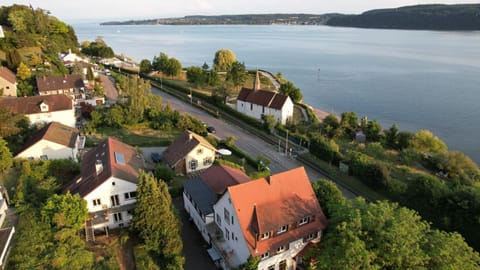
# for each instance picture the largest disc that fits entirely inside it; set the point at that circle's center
(223, 60)
(425, 142)
(268, 122)
(196, 75)
(251, 264)
(145, 66)
(289, 89)
(159, 63)
(391, 137)
(6, 157)
(324, 148)
(237, 74)
(13, 59)
(349, 122)
(115, 116)
(372, 131)
(157, 223)
(328, 195)
(23, 72)
(164, 173)
(205, 66)
(65, 211)
(173, 67)
(457, 166)
(404, 138)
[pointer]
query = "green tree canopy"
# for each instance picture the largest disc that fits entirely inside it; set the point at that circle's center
(23, 72)
(289, 89)
(425, 142)
(372, 131)
(6, 157)
(65, 211)
(145, 66)
(156, 222)
(223, 60)
(236, 74)
(328, 195)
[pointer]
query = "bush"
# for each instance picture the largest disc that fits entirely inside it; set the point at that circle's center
(163, 172)
(325, 149)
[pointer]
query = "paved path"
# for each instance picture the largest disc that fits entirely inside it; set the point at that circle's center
(109, 87)
(274, 80)
(249, 143)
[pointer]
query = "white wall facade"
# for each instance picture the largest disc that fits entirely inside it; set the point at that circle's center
(9, 89)
(66, 117)
(235, 241)
(200, 154)
(49, 149)
(256, 111)
(200, 221)
(111, 187)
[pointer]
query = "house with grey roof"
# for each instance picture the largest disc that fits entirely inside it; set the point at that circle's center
(256, 102)
(54, 141)
(201, 193)
(71, 85)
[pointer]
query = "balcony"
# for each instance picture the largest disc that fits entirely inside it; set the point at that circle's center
(101, 216)
(225, 250)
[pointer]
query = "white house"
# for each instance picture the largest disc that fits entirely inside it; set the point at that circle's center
(108, 182)
(54, 141)
(257, 102)
(69, 57)
(201, 193)
(43, 109)
(188, 153)
(8, 83)
(272, 218)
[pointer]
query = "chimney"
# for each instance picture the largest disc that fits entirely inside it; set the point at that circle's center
(256, 85)
(98, 166)
(190, 136)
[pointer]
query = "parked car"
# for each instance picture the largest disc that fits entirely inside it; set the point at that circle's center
(211, 129)
(156, 157)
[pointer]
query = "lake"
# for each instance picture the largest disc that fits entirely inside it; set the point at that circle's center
(416, 79)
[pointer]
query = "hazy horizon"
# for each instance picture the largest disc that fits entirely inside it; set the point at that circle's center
(94, 11)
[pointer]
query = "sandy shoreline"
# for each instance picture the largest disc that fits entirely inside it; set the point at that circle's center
(321, 114)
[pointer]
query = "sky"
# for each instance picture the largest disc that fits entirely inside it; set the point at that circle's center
(101, 10)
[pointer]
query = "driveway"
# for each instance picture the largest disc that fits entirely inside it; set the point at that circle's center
(194, 247)
(249, 143)
(109, 87)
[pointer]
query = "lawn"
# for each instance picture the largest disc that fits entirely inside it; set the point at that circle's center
(137, 135)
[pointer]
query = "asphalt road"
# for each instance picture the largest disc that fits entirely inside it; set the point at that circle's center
(249, 143)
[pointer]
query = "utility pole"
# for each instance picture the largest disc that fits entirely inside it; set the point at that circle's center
(286, 143)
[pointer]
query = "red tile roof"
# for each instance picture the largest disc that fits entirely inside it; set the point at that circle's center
(59, 82)
(219, 177)
(88, 180)
(7, 74)
(263, 98)
(53, 132)
(182, 145)
(31, 105)
(266, 204)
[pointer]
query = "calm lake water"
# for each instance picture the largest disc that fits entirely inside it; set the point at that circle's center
(417, 79)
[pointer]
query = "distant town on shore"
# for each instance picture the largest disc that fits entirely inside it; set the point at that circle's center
(421, 17)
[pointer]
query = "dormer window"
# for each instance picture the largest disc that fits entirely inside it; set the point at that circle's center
(43, 107)
(264, 235)
(282, 229)
(280, 249)
(264, 255)
(304, 220)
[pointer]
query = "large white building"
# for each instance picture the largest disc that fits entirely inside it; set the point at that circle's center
(54, 141)
(43, 109)
(273, 218)
(108, 182)
(257, 102)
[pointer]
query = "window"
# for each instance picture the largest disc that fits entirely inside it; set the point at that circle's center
(113, 183)
(227, 234)
(219, 220)
(311, 236)
(207, 161)
(114, 199)
(280, 249)
(193, 164)
(282, 229)
(264, 255)
(263, 109)
(96, 202)
(199, 151)
(117, 217)
(130, 195)
(232, 219)
(251, 106)
(304, 220)
(271, 267)
(226, 215)
(265, 235)
(44, 157)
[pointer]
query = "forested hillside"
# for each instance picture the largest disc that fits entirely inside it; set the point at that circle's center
(431, 17)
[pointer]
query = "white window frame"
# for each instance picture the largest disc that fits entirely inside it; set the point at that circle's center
(264, 236)
(193, 164)
(264, 255)
(96, 202)
(304, 220)
(226, 215)
(281, 249)
(117, 217)
(282, 229)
